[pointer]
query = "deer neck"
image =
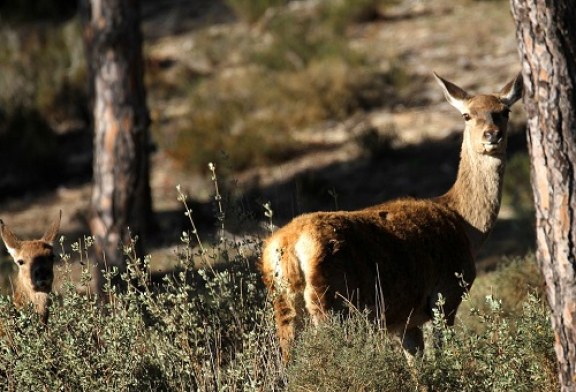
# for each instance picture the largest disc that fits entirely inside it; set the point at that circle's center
(477, 192)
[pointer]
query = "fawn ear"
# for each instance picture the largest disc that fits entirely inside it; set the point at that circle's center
(512, 92)
(455, 95)
(10, 240)
(52, 232)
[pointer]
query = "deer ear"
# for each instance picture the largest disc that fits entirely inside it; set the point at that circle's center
(512, 92)
(52, 232)
(455, 95)
(10, 240)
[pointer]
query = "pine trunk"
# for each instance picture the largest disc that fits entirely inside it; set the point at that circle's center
(121, 196)
(546, 33)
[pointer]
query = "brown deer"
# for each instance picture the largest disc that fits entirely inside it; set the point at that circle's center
(397, 258)
(35, 261)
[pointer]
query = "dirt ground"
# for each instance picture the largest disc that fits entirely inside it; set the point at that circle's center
(419, 156)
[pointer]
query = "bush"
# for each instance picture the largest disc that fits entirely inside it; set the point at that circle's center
(509, 354)
(208, 325)
(349, 355)
(211, 329)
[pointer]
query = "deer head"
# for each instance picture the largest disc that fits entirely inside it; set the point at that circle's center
(486, 116)
(35, 262)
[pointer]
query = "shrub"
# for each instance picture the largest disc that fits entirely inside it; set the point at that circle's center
(208, 325)
(509, 354)
(349, 355)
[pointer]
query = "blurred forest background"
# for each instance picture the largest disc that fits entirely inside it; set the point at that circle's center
(306, 104)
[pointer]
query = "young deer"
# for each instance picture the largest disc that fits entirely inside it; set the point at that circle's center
(399, 257)
(35, 260)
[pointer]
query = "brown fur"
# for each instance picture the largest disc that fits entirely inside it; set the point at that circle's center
(399, 257)
(35, 261)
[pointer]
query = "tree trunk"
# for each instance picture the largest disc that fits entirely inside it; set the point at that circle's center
(546, 33)
(121, 196)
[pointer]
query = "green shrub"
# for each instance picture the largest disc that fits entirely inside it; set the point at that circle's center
(509, 354)
(207, 325)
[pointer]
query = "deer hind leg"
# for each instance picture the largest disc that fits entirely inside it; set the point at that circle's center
(288, 309)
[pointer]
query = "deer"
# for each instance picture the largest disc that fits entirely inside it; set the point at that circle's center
(402, 259)
(35, 262)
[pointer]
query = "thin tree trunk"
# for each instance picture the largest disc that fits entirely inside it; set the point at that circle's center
(121, 192)
(546, 33)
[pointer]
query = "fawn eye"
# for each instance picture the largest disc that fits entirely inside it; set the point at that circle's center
(466, 117)
(20, 262)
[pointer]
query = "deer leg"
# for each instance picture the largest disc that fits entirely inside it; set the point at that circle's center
(285, 315)
(413, 341)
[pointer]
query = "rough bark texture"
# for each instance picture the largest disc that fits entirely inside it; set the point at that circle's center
(121, 192)
(546, 32)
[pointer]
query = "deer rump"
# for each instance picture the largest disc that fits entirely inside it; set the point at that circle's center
(394, 259)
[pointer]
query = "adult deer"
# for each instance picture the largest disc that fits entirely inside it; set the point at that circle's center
(35, 261)
(399, 257)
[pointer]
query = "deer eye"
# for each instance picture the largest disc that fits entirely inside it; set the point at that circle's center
(20, 262)
(466, 117)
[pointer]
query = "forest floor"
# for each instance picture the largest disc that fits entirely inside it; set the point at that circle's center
(469, 42)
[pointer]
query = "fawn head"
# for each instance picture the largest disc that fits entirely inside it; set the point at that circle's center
(35, 258)
(486, 115)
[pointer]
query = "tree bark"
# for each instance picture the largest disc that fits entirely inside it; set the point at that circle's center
(546, 34)
(121, 196)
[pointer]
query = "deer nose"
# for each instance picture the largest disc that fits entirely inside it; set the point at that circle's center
(493, 135)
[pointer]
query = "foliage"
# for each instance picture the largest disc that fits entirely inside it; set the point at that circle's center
(349, 355)
(509, 354)
(207, 325)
